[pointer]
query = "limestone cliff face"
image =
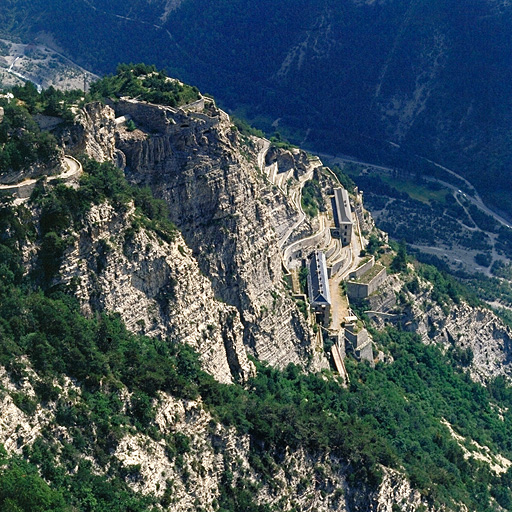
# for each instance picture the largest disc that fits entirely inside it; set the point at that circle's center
(92, 133)
(396, 493)
(480, 341)
(198, 164)
(477, 332)
(233, 219)
(156, 287)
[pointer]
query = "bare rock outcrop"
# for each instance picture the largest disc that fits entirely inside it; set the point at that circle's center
(479, 340)
(156, 287)
(209, 451)
(196, 162)
(93, 133)
(395, 493)
(479, 336)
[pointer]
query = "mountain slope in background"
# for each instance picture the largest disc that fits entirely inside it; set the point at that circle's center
(431, 77)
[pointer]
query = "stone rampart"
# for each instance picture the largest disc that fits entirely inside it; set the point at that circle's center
(196, 106)
(336, 267)
(360, 290)
(360, 343)
(154, 118)
(362, 269)
(356, 339)
(208, 120)
(162, 119)
(304, 247)
(21, 191)
(32, 172)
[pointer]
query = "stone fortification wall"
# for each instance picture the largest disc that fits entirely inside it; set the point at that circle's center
(356, 339)
(360, 343)
(361, 270)
(365, 353)
(210, 121)
(154, 118)
(356, 290)
(336, 267)
(196, 106)
(164, 119)
(33, 172)
(303, 248)
(20, 191)
(339, 340)
(288, 160)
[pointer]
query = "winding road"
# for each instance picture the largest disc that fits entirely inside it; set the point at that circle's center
(349, 255)
(22, 189)
(475, 198)
(296, 195)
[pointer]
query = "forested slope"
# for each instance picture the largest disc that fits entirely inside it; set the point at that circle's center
(96, 416)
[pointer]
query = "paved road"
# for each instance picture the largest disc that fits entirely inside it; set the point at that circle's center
(340, 304)
(19, 75)
(308, 241)
(296, 196)
(72, 167)
(298, 204)
(475, 199)
(114, 15)
(351, 159)
(262, 154)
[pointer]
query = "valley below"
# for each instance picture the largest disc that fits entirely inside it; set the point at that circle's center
(42, 65)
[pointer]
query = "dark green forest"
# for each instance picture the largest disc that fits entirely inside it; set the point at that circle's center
(359, 61)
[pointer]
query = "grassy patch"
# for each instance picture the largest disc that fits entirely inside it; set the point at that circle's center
(420, 192)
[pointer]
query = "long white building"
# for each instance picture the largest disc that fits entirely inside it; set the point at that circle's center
(318, 286)
(342, 214)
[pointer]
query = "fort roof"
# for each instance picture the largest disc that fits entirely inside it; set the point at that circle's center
(368, 276)
(342, 213)
(318, 282)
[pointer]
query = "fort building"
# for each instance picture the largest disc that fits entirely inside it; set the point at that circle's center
(318, 286)
(359, 342)
(342, 214)
(367, 284)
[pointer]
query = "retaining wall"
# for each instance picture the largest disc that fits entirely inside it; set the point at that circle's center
(360, 271)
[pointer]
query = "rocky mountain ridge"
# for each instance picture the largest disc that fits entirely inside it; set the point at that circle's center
(219, 202)
(215, 284)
